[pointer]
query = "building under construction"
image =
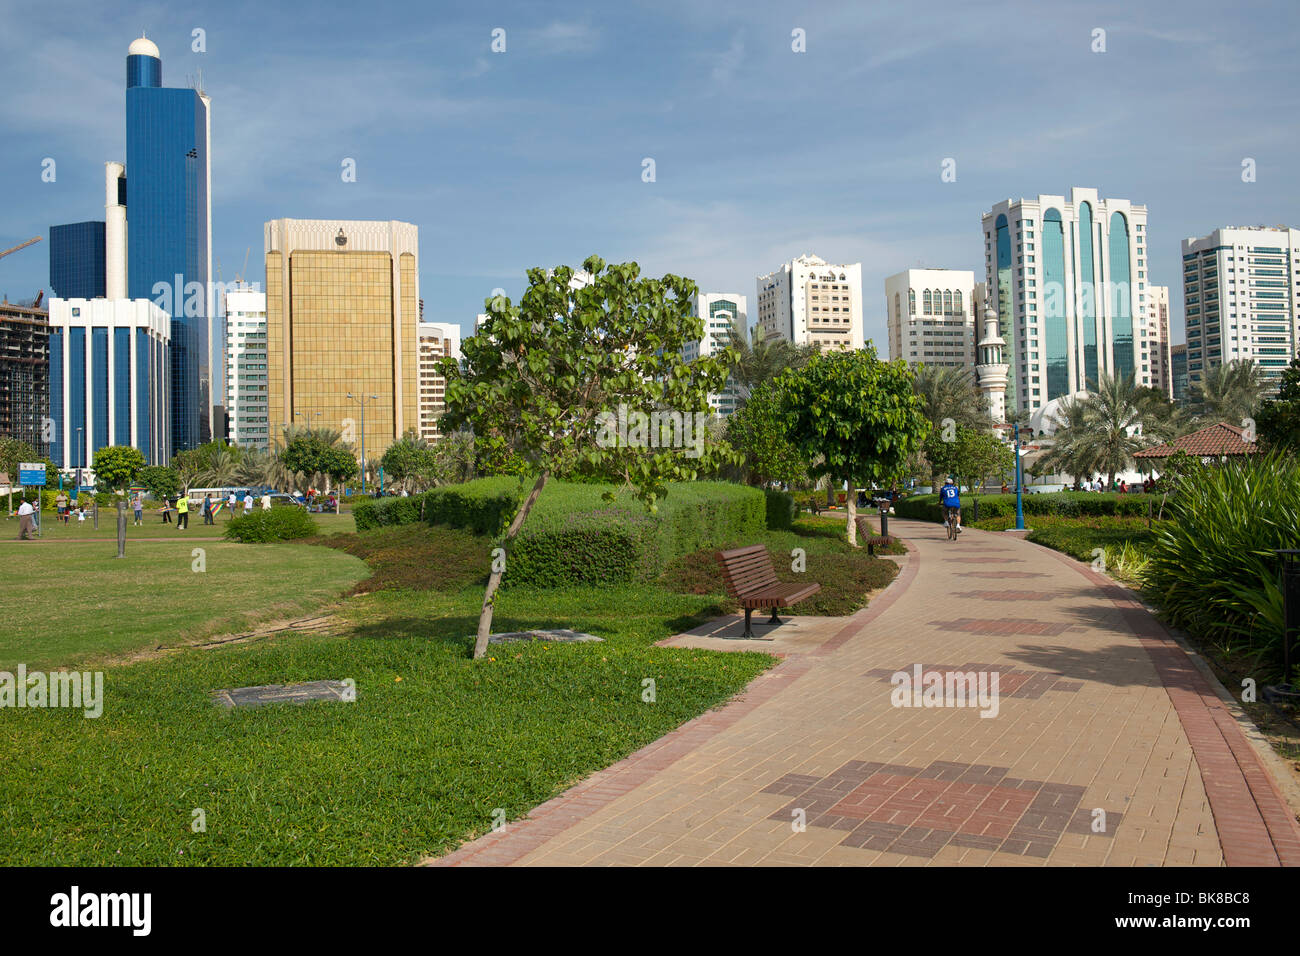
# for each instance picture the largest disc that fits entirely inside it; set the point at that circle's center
(24, 373)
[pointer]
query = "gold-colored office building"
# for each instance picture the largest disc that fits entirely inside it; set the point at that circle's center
(342, 316)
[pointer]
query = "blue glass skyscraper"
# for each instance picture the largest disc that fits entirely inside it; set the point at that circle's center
(168, 211)
(77, 260)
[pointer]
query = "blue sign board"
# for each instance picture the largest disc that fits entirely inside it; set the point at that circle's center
(31, 474)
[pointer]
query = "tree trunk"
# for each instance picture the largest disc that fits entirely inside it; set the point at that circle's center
(830, 492)
(1110, 480)
(851, 499)
(494, 580)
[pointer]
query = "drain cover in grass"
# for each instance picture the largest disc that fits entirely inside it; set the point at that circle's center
(560, 634)
(283, 693)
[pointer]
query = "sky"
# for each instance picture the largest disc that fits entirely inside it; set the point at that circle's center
(535, 156)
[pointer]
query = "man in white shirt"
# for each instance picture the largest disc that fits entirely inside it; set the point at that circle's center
(248, 502)
(231, 502)
(266, 501)
(25, 520)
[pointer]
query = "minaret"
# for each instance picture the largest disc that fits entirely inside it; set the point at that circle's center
(990, 370)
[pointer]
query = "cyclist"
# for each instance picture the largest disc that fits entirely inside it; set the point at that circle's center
(950, 498)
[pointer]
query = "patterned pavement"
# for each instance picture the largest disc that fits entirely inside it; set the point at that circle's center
(1066, 728)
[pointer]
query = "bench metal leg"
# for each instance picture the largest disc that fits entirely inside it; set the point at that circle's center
(775, 619)
(748, 633)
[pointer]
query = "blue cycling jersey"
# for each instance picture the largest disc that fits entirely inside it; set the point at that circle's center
(949, 497)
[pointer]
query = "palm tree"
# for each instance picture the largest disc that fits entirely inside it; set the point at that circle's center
(949, 394)
(1228, 392)
(763, 358)
(223, 468)
(1072, 451)
(265, 470)
(1115, 418)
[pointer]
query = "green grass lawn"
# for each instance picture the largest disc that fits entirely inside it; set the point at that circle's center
(67, 603)
(434, 744)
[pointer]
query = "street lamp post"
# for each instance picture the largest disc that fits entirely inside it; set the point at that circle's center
(362, 402)
(1020, 508)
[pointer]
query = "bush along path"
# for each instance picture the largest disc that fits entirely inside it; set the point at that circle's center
(1101, 745)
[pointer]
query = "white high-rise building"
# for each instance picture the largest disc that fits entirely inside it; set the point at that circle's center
(810, 301)
(720, 312)
(437, 340)
(110, 379)
(1240, 285)
(932, 317)
(1156, 329)
(1068, 278)
(246, 379)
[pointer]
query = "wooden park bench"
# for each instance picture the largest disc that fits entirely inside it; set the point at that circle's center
(752, 581)
(868, 536)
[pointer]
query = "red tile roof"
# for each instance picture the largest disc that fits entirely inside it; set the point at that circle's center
(1212, 440)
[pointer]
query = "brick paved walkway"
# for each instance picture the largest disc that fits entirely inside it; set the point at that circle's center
(1105, 745)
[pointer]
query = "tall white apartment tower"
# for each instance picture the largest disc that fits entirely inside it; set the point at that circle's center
(720, 313)
(1159, 348)
(810, 301)
(246, 398)
(932, 317)
(1240, 285)
(1068, 278)
(437, 340)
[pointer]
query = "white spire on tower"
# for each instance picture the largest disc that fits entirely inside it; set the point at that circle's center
(990, 370)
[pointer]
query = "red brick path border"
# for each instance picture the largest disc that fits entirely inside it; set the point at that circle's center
(1255, 825)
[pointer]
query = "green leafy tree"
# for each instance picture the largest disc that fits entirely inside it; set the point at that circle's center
(160, 481)
(971, 456)
(860, 414)
(1278, 419)
(13, 451)
(411, 460)
(117, 466)
(562, 379)
(760, 431)
(202, 460)
(312, 453)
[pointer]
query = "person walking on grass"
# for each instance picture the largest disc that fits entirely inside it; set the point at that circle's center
(183, 512)
(166, 511)
(231, 503)
(248, 503)
(61, 506)
(137, 505)
(266, 501)
(207, 510)
(25, 510)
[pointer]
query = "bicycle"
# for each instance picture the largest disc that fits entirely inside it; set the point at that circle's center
(950, 520)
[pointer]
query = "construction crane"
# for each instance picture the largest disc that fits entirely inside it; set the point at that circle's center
(24, 245)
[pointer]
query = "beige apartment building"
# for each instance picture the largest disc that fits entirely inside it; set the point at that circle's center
(342, 311)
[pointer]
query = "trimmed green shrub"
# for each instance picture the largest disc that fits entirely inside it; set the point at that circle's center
(1063, 503)
(781, 509)
(574, 536)
(277, 524)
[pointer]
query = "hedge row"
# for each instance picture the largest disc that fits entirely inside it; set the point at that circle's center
(1063, 503)
(574, 536)
(781, 510)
